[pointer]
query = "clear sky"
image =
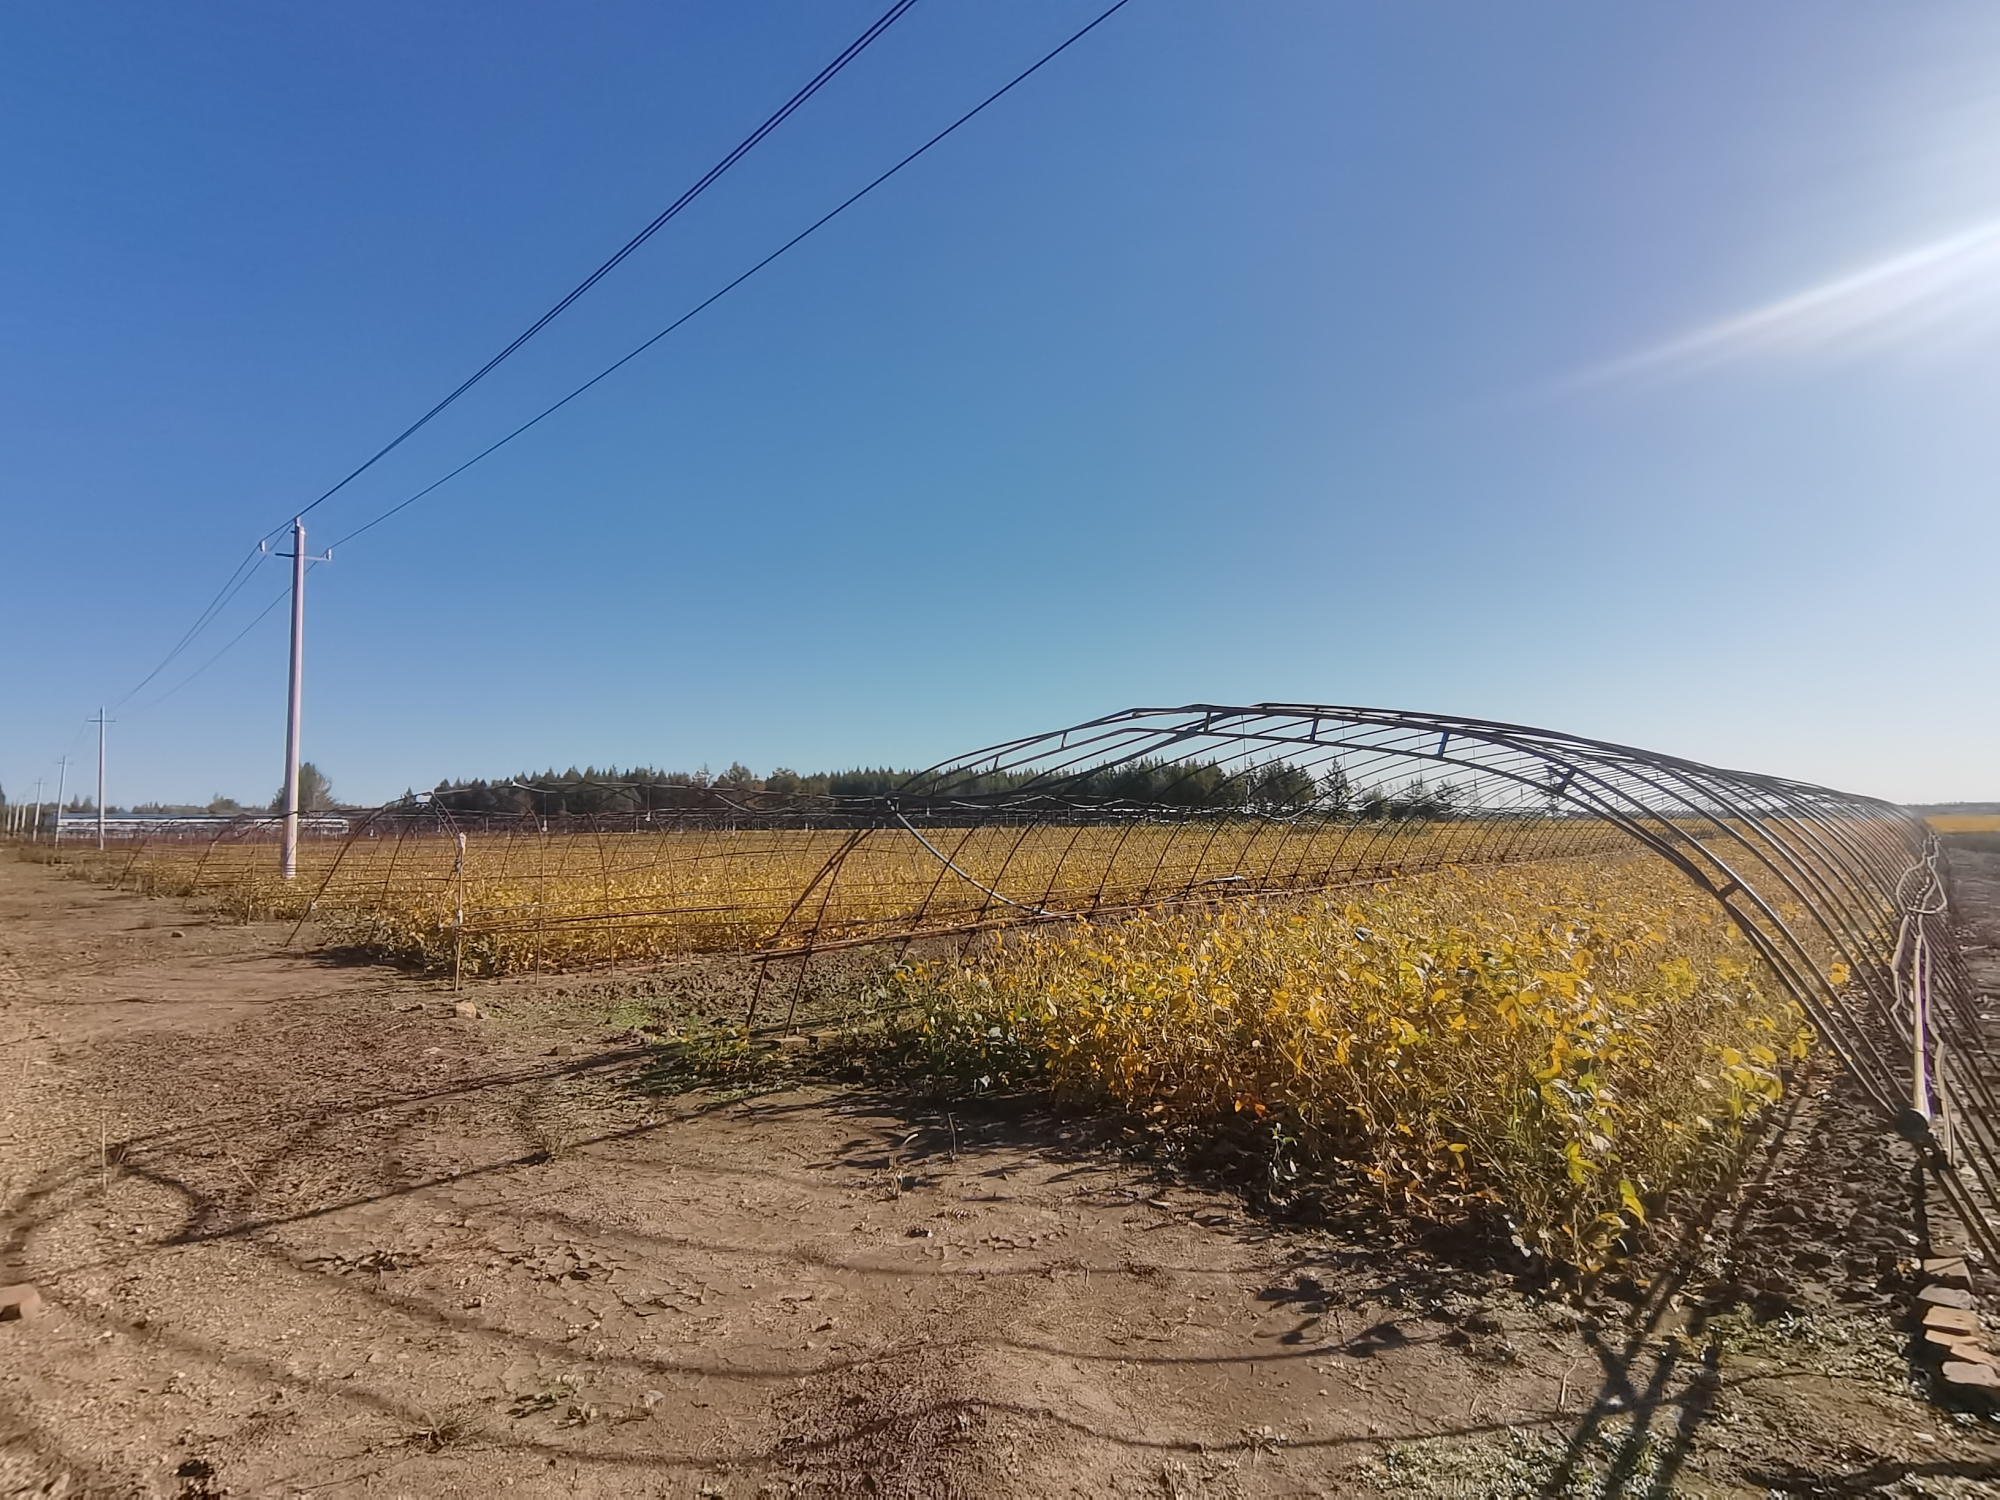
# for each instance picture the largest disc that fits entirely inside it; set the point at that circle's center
(1629, 370)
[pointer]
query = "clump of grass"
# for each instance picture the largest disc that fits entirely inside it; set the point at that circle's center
(727, 1059)
(437, 1433)
(1566, 1041)
(1613, 1461)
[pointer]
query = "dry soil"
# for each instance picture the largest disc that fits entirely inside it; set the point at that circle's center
(300, 1228)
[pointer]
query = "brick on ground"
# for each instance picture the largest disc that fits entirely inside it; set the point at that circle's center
(1957, 1319)
(1962, 1377)
(1939, 1344)
(1948, 1270)
(1945, 1296)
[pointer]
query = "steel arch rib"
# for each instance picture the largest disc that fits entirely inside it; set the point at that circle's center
(1751, 841)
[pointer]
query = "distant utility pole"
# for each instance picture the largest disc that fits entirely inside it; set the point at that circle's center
(35, 828)
(100, 721)
(62, 784)
(288, 854)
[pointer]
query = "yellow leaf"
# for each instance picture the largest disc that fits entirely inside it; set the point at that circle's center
(1629, 1196)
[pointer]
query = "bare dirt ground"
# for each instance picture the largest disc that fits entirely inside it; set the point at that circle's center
(300, 1229)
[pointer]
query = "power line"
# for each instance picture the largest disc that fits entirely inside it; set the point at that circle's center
(731, 286)
(255, 620)
(818, 81)
(245, 569)
(229, 590)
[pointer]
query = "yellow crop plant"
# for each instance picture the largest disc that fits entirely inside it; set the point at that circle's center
(524, 901)
(1570, 1040)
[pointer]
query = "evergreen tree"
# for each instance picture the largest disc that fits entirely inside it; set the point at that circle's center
(315, 791)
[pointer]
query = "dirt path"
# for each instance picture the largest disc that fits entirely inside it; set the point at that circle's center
(302, 1230)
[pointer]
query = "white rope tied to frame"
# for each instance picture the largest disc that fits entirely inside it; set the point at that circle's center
(945, 860)
(1913, 938)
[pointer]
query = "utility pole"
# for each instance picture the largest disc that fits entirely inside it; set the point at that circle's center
(288, 854)
(35, 828)
(62, 784)
(100, 721)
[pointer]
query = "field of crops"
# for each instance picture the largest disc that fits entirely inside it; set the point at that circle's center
(1574, 1040)
(525, 900)
(1521, 1012)
(1965, 822)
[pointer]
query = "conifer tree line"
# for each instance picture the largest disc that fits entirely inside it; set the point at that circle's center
(1273, 788)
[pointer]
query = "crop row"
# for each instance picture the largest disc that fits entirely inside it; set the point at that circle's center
(520, 901)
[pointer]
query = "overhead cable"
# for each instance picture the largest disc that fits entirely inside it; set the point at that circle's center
(731, 286)
(742, 148)
(240, 578)
(255, 620)
(231, 586)
(819, 80)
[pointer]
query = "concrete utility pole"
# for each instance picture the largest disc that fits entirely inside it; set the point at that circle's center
(35, 828)
(100, 721)
(288, 854)
(62, 783)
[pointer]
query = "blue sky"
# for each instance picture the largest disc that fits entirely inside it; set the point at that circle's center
(1624, 370)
